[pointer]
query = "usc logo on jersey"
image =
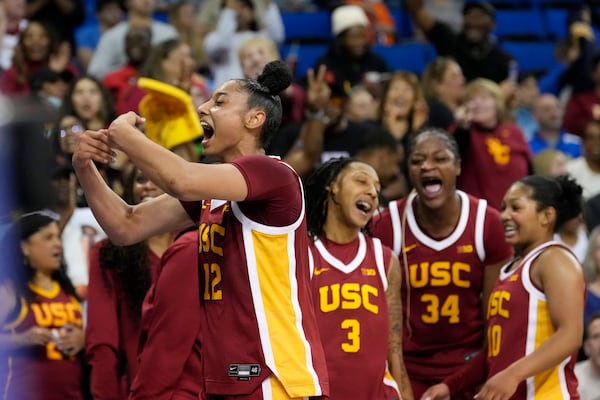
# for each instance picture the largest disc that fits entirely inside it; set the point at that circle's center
(208, 235)
(439, 273)
(56, 314)
(348, 296)
(496, 304)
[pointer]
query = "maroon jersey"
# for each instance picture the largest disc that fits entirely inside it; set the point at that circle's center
(349, 283)
(443, 321)
(43, 372)
(519, 322)
(254, 286)
(171, 368)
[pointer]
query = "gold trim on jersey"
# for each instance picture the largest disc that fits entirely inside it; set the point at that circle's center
(50, 294)
(22, 314)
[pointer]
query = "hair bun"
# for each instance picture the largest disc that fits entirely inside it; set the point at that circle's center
(276, 77)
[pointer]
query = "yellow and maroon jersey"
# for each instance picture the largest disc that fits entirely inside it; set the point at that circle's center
(518, 323)
(443, 316)
(43, 372)
(254, 287)
(349, 283)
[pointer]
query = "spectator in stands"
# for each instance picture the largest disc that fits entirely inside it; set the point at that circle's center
(325, 132)
(170, 62)
(120, 277)
(591, 268)
(573, 234)
(37, 48)
(79, 230)
(137, 46)
(239, 21)
(491, 149)
(61, 16)
(12, 23)
(402, 110)
(349, 57)
(88, 100)
(548, 115)
(108, 14)
(42, 319)
(443, 84)
(64, 141)
(110, 53)
(473, 48)
(382, 27)
(90, 103)
(584, 107)
(50, 87)
(379, 149)
(361, 105)
(550, 162)
(526, 95)
(586, 168)
(588, 371)
(254, 54)
(181, 16)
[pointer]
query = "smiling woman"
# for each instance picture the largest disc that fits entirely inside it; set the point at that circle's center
(342, 195)
(451, 248)
(41, 317)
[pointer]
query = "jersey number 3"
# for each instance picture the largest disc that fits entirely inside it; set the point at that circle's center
(353, 335)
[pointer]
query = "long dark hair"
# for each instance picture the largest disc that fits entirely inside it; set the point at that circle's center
(130, 264)
(22, 229)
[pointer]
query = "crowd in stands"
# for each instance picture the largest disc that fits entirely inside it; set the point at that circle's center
(79, 64)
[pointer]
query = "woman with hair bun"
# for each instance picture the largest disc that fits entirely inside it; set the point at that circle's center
(259, 333)
(535, 312)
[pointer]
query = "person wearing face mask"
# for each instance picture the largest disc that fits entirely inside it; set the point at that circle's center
(492, 149)
(50, 86)
(473, 48)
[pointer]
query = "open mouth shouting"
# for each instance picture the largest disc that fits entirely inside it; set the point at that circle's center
(432, 186)
(209, 132)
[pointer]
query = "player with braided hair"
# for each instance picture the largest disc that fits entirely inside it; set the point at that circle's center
(356, 285)
(258, 329)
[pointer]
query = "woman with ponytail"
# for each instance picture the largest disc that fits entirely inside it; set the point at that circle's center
(535, 313)
(258, 329)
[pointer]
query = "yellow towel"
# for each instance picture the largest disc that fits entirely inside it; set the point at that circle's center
(171, 119)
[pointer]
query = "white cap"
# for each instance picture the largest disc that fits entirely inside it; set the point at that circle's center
(345, 17)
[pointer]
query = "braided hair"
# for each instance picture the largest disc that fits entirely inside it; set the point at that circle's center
(317, 193)
(264, 92)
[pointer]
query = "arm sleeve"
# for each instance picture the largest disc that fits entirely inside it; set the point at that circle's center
(174, 324)
(274, 194)
(102, 333)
